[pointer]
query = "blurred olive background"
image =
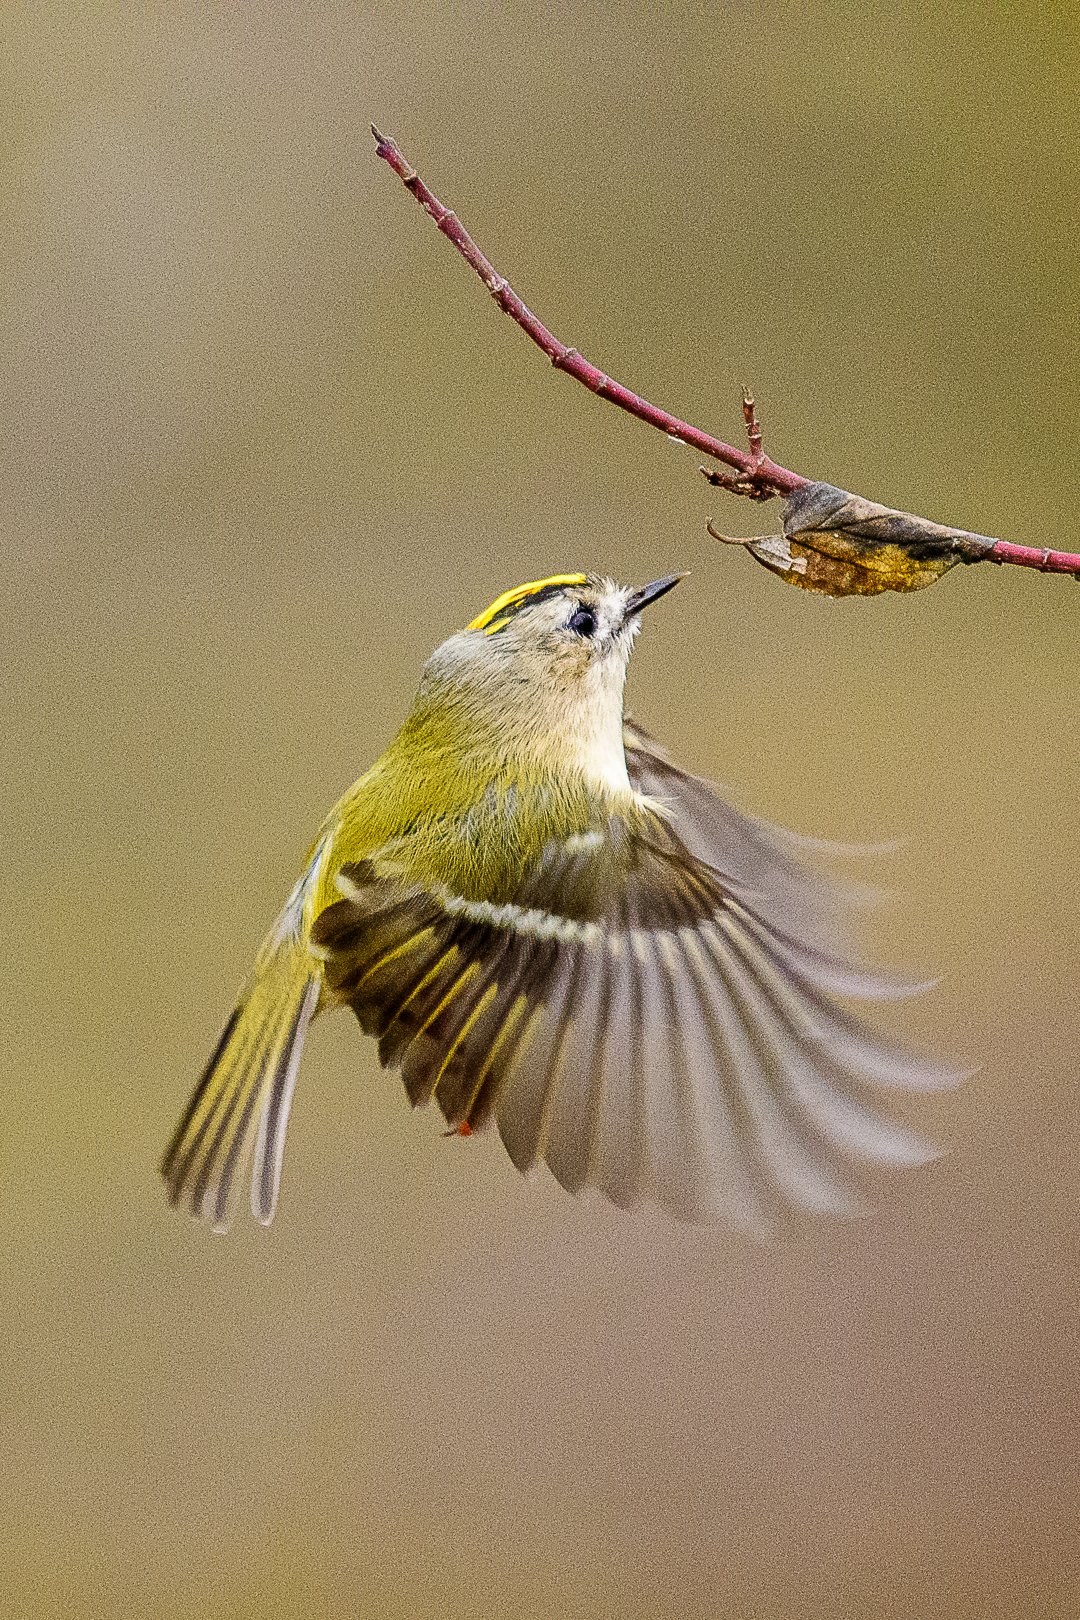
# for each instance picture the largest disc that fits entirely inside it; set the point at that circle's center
(266, 441)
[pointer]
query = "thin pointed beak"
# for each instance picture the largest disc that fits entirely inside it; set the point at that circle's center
(650, 593)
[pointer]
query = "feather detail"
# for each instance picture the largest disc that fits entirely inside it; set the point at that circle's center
(241, 1103)
(633, 1016)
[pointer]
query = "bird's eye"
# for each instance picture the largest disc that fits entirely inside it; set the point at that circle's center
(583, 621)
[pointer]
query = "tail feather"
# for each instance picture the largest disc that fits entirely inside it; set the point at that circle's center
(274, 1118)
(242, 1100)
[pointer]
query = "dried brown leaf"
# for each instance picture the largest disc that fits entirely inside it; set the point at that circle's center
(840, 544)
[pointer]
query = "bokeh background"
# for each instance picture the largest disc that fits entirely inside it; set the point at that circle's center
(266, 441)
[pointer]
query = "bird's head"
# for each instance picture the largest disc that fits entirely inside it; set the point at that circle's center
(540, 673)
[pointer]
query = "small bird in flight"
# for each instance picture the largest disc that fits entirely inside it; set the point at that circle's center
(551, 928)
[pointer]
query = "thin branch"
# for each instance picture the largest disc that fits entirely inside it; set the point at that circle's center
(756, 475)
(755, 466)
(1040, 557)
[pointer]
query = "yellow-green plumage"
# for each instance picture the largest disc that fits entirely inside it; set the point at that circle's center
(547, 925)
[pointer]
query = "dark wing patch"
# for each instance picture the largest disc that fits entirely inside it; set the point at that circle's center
(633, 1018)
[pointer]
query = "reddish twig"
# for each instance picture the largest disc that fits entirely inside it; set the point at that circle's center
(752, 482)
(757, 476)
(755, 468)
(1047, 562)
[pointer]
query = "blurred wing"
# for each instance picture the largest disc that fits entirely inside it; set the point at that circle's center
(638, 1021)
(765, 862)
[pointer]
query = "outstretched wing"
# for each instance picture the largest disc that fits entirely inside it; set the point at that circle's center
(640, 1019)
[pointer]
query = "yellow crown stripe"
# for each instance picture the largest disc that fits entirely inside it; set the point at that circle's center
(519, 593)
